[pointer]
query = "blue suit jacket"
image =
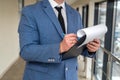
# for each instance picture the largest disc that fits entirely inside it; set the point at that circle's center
(40, 35)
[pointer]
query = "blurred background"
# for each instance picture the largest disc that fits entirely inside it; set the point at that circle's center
(106, 64)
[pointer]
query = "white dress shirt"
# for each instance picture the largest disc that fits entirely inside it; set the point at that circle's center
(63, 11)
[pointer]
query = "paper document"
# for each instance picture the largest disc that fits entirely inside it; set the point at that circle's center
(85, 35)
(91, 33)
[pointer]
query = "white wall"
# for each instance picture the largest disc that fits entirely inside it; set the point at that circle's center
(9, 18)
(28, 2)
(9, 43)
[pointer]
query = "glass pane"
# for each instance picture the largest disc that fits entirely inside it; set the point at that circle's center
(116, 51)
(85, 16)
(84, 20)
(102, 13)
(21, 5)
(100, 53)
(116, 71)
(117, 31)
(99, 64)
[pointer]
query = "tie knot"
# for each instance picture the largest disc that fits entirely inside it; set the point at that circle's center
(58, 9)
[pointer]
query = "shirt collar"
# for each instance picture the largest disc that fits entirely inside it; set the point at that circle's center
(54, 4)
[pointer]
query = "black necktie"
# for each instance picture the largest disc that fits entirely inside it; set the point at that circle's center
(60, 18)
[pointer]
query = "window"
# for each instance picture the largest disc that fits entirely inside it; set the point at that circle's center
(85, 11)
(21, 4)
(100, 18)
(116, 42)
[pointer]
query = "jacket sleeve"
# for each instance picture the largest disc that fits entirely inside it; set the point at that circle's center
(30, 47)
(88, 54)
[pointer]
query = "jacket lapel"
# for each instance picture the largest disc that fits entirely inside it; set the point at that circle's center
(50, 13)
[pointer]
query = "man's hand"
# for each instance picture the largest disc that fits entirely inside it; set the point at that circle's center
(68, 41)
(94, 45)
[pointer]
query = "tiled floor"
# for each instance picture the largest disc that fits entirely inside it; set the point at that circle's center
(16, 71)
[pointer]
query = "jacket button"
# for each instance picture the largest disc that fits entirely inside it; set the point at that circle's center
(53, 60)
(49, 60)
(66, 68)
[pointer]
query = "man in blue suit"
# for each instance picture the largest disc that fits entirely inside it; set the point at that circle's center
(42, 41)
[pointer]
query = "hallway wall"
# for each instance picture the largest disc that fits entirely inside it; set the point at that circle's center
(9, 43)
(28, 2)
(9, 18)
